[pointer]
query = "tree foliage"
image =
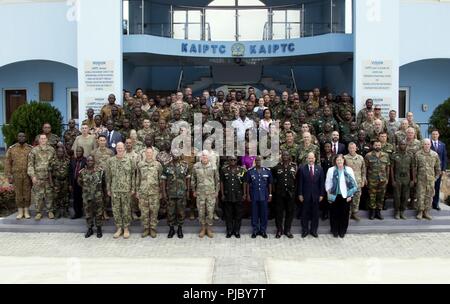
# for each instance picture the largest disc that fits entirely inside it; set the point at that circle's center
(441, 120)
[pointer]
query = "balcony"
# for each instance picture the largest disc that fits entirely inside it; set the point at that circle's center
(237, 20)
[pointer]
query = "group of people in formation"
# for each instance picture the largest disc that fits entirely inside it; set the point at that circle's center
(330, 160)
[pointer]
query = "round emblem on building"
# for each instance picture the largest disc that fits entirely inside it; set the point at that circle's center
(237, 49)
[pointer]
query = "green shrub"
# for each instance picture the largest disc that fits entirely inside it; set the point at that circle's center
(441, 121)
(29, 118)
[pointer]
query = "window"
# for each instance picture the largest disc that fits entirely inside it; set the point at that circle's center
(72, 104)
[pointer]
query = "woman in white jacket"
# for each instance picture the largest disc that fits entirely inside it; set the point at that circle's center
(340, 185)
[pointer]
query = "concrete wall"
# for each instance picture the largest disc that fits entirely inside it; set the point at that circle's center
(38, 31)
(429, 83)
(424, 30)
(28, 74)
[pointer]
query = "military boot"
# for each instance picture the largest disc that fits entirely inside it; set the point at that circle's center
(355, 216)
(27, 213)
(403, 216)
(19, 213)
(126, 233)
(118, 233)
(209, 232)
(51, 215)
(89, 233)
(65, 213)
(99, 232)
(192, 215)
(171, 232)
(145, 233)
(38, 216)
(371, 214)
(397, 215)
(419, 215)
(153, 233)
(378, 214)
(426, 215)
(202, 232)
(57, 214)
(105, 215)
(180, 232)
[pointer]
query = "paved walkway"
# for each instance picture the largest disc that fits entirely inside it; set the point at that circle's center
(235, 260)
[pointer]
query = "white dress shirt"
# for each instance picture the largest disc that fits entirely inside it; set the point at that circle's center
(242, 125)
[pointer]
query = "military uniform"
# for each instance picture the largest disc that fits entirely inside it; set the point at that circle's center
(400, 136)
(292, 149)
(362, 116)
(233, 192)
(92, 183)
(350, 137)
(318, 124)
(402, 165)
(277, 110)
(89, 122)
(285, 190)
(387, 148)
(105, 112)
(148, 183)
(142, 133)
(377, 178)
(302, 157)
(342, 108)
(70, 135)
(362, 148)
(38, 166)
(428, 168)
(16, 164)
(369, 128)
(392, 127)
(161, 138)
(258, 182)
(205, 182)
(175, 175)
(101, 156)
(59, 169)
(413, 146)
(324, 137)
(358, 165)
(120, 182)
(53, 140)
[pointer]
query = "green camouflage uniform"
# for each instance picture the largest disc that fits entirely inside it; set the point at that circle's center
(120, 182)
(377, 178)
(59, 169)
(175, 175)
(148, 187)
(277, 110)
(358, 165)
(402, 165)
(144, 132)
(70, 135)
(38, 166)
(343, 107)
(302, 158)
(162, 137)
(205, 182)
(92, 183)
(428, 168)
(293, 150)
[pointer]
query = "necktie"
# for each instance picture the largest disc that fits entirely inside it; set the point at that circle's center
(334, 148)
(109, 137)
(311, 172)
(436, 145)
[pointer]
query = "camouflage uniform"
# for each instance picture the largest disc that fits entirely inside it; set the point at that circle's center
(392, 128)
(402, 165)
(148, 187)
(400, 135)
(362, 116)
(358, 165)
(53, 140)
(428, 168)
(277, 110)
(59, 169)
(175, 175)
(205, 182)
(387, 148)
(144, 132)
(105, 112)
(89, 122)
(120, 182)
(16, 164)
(293, 150)
(324, 137)
(377, 178)
(343, 107)
(350, 137)
(413, 146)
(92, 183)
(101, 156)
(362, 148)
(135, 158)
(302, 158)
(318, 124)
(70, 135)
(369, 128)
(38, 166)
(162, 137)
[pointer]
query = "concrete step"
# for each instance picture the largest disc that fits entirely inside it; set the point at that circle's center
(440, 223)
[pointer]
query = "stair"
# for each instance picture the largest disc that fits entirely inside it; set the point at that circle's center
(440, 223)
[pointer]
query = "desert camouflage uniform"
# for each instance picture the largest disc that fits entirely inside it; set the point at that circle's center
(16, 164)
(428, 168)
(205, 182)
(358, 165)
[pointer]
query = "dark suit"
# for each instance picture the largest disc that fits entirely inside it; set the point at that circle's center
(74, 170)
(112, 141)
(442, 152)
(311, 189)
(341, 148)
